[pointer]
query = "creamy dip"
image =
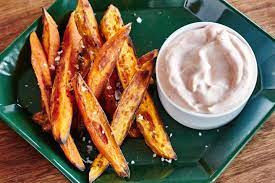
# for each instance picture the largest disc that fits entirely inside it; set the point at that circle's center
(207, 70)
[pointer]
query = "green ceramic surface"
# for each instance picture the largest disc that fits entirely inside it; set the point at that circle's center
(200, 158)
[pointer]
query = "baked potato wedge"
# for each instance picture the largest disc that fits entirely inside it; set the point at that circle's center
(61, 113)
(88, 27)
(41, 70)
(125, 114)
(151, 125)
(105, 61)
(98, 127)
(50, 40)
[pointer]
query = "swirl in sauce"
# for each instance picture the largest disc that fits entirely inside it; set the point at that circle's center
(207, 70)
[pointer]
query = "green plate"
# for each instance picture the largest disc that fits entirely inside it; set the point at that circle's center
(201, 158)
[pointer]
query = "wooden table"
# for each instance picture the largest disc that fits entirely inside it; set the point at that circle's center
(19, 162)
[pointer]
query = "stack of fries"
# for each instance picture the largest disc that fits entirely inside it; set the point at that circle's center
(82, 82)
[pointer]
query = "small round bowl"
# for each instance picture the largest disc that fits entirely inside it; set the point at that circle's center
(192, 119)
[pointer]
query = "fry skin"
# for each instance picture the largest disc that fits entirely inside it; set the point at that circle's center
(105, 61)
(151, 125)
(124, 114)
(42, 73)
(50, 40)
(98, 127)
(61, 102)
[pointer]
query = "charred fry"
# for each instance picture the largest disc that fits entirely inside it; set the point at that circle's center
(98, 127)
(150, 123)
(50, 40)
(105, 61)
(62, 107)
(124, 114)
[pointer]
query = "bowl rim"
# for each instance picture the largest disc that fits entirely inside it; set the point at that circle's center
(194, 26)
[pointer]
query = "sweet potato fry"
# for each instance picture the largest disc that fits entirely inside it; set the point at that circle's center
(87, 27)
(151, 125)
(41, 69)
(42, 73)
(105, 61)
(98, 127)
(50, 40)
(124, 114)
(61, 103)
(69, 148)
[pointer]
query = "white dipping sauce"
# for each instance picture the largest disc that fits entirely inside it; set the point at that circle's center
(207, 70)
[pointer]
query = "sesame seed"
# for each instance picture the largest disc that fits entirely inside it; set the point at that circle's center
(132, 162)
(82, 46)
(89, 141)
(154, 155)
(206, 146)
(52, 67)
(171, 135)
(26, 85)
(103, 132)
(168, 160)
(109, 87)
(162, 159)
(135, 14)
(139, 20)
(83, 139)
(166, 126)
(200, 134)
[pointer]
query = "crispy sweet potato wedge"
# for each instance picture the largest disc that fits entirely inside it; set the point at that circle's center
(50, 39)
(69, 148)
(105, 61)
(61, 103)
(124, 114)
(150, 123)
(42, 73)
(41, 69)
(87, 27)
(98, 127)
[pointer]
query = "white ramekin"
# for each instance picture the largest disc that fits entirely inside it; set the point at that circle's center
(189, 118)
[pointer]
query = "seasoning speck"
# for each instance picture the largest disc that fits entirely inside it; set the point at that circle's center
(132, 162)
(206, 146)
(83, 139)
(154, 155)
(26, 85)
(139, 20)
(200, 134)
(166, 126)
(162, 159)
(139, 117)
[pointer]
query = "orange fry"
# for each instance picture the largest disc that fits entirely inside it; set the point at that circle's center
(150, 124)
(61, 102)
(98, 127)
(41, 69)
(105, 61)
(124, 114)
(50, 39)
